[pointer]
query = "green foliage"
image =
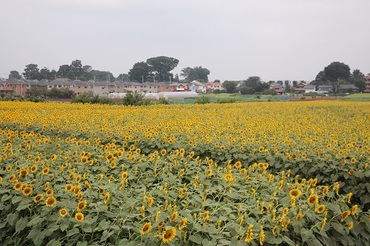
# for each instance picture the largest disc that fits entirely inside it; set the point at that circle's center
(269, 92)
(134, 98)
(226, 100)
(196, 73)
(140, 72)
(88, 97)
(203, 100)
(161, 66)
(230, 86)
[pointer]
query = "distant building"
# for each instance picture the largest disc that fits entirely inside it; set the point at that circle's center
(367, 83)
(277, 87)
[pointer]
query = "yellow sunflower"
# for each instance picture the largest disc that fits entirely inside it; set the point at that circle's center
(79, 217)
(50, 201)
(146, 228)
(63, 212)
(169, 234)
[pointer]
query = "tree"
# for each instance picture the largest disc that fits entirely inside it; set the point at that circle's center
(123, 77)
(76, 68)
(161, 66)
(45, 73)
(287, 86)
(230, 86)
(14, 75)
(63, 71)
(358, 79)
(102, 75)
(140, 72)
(196, 73)
(337, 71)
(31, 72)
(255, 83)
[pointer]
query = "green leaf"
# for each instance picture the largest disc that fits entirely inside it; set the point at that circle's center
(54, 242)
(196, 238)
(338, 227)
(35, 220)
(288, 241)
(21, 224)
(5, 197)
(106, 235)
(72, 232)
(306, 234)
(84, 243)
(16, 199)
(23, 205)
(11, 218)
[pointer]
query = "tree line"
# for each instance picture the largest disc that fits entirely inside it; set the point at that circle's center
(337, 73)
(155, 69)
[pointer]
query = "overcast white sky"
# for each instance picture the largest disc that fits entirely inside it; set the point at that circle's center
(234, 39)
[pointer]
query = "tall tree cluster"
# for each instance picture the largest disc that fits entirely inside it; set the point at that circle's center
(337, 73)
(196, 73)
(74, 71)
(154, 69)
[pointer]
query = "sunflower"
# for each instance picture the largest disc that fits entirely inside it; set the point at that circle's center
(146, 228)
(354, 209)
(295, 193)
(238, 165)
(174, 216)
(81, 205)
(27, 191)
(33, 168)
(353, 160)
(49, 192)
(312, 199)
(325, 190)
(150, 202)
(320, 209)
(181, 173)
(345, 214)
(124, 175)
(38, 198)
(69, 187)
(18, 186)
(106, 197)
(1, 180)
(23, 171)
(261, 149)
(54, 157)
(87, 185)
(79, 217)
(50, 201)
(350, 225)
(45, 170)
(169, 234)
(63, 212)
(262, 235)
(182, 223)
(249, 234)
(209, 172)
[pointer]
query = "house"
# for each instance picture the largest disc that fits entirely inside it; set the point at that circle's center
(80, 87)
(198, 86)
(299, 88)
(179, 87)
(309, 89)
(212, 86)
(348, 88)
(5, 91)
(367, 83)
(15, 87)
(277, 87)
(325, 89)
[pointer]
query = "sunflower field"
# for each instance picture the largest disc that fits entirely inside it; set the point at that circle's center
(273, 173)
